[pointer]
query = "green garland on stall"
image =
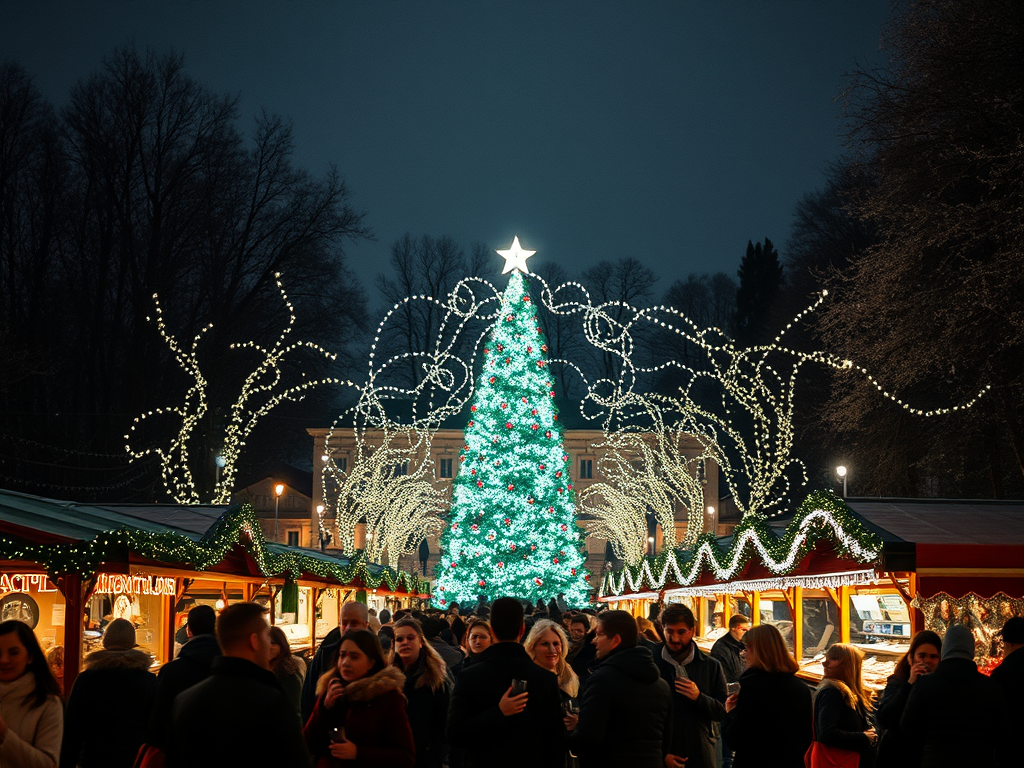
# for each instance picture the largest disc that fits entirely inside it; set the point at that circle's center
(853, 541)
(238, 525)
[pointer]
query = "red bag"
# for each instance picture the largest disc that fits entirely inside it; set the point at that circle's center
(819, 755)
(149, 757)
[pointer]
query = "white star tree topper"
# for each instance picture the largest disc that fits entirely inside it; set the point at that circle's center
(515, 257)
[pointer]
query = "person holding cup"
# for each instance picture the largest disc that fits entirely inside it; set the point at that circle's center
(359, 713)
(771, 706)
(505, 710)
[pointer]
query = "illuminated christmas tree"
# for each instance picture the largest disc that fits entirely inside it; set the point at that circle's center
(512, 527)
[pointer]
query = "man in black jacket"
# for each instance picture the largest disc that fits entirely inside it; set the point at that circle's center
(190, 667)
(729, 650)
(626, 710)
(947, 709)
(353, 616)
(698, 691)
(489, 724)
(241, 692)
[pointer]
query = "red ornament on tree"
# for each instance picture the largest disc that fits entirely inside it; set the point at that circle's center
(572, 571)
(482, 583)
(533, 412)
(501, 564)
(554, 560)
(529, 349)
(548, 433)
(493, 379)
(543, 467)
(558, 473)
(564, 527)
(479, 483)
(508, 425)
(511, 487)
(472, 408)
(537, 581)
(507, 521)
(504, 406)
(551, 510)
(535, 427)
(472, 471)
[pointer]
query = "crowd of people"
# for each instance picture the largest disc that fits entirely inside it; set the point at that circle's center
(506, 684)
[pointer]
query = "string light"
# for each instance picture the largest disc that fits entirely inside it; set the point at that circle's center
(237, 527)
(261, 392)
(822, 516)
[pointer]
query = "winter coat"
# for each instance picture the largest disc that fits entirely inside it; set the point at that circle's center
(770, 727)
(727, 650)
(1010, 676)
(470, 658)
(192, 666)
(322, 662)
(373, 714)
(625, 714)
(229, 714)
(483, 736)
(33, 733)
(291, 673)
(948, 710)
(693, 735)
(428, 716)
(894, 749)
(839, 724)
(116, 683)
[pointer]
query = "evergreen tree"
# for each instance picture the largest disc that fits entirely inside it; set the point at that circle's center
(512, 527)
(760, 277)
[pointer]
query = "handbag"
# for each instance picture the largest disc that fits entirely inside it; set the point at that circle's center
(820, 755)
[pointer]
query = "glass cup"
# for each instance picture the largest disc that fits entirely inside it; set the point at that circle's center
(338, 734)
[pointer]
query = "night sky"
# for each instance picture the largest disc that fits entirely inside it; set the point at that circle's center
(670, 131)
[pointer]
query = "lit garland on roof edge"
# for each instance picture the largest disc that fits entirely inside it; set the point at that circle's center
(238, 526)
(822, 516)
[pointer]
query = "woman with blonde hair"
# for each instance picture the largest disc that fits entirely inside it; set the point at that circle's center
(547, 645)
(842, 706)
(427, 690)
(648, 630)
(771, 706)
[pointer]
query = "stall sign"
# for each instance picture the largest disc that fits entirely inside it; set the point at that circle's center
(137, 584)
(25, 582)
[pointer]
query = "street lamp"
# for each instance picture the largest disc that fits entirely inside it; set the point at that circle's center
(841, 472)
(711, 520)
(650, 544)
(278, 490)
(320, 522)
(219, 462)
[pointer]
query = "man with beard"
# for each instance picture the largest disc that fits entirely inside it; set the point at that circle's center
(698, 691)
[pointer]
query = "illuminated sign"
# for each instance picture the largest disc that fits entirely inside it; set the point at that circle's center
(25, 582)
(120, 584)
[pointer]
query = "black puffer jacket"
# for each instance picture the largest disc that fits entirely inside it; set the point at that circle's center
(693, 735)
(949, 709)
(192, 666)
(116, 688)
(625, 714)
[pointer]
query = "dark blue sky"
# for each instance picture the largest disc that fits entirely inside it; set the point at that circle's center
(669, 131)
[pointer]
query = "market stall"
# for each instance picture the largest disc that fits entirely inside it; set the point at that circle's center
(871, 573)
(73, 568)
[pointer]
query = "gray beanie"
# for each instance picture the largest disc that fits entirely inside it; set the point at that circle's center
(958, 643)
(120, 635)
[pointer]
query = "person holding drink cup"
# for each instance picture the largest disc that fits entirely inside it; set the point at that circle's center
(698, 691)
(768, 706)
(359, 713)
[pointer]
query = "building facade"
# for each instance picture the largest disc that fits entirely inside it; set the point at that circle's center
(582, 445)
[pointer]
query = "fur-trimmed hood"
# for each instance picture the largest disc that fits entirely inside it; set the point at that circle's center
(367, 688)
(119, 658)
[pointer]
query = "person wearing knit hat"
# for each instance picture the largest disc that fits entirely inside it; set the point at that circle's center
(948, 711)
(119, 635)
(958, 643)
(115, 679)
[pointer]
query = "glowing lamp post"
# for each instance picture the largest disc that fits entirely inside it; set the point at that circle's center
(711, 520)
(650, 544)
(841, 472)
(278, 490)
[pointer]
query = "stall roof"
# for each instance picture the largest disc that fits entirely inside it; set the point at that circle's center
(65, 534)
(936, 521)
(71, 521)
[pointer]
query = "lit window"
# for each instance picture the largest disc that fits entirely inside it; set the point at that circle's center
(586, 469)
(446, 468)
